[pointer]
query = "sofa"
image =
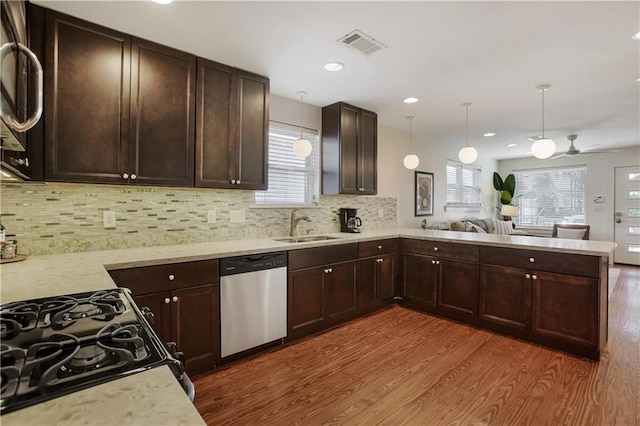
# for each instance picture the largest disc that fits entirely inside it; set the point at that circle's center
(483, 226)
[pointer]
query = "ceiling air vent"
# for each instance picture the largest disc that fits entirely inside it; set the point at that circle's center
(361, 42)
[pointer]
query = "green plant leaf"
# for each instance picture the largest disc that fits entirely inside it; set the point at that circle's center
(505, 197)
(510, 184)
(497, 182)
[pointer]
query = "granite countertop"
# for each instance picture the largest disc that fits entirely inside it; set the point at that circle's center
(154, 396)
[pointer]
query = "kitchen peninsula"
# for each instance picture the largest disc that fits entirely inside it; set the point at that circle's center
(512, 294)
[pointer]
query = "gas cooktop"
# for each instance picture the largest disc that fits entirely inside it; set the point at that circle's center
(54, 346)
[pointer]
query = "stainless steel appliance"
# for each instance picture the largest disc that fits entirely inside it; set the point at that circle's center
(349, 221)
(57, 345)
(16, 74)
(253, 301)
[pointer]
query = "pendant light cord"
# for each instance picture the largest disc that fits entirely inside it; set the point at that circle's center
(301, 115)
(543, 113)
(467, 108)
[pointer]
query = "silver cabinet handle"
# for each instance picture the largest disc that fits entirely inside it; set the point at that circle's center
(437, 262)
(167, 300)
(433, 262)
(435, 249)
(133, 176)
(238, 182)
(531, 259)
(379, 247)
(535, 277)
(36, 67)
(172, 277)
(233, 181)
(125, 176)
(174, 298)
(527, 276)
(379, 260)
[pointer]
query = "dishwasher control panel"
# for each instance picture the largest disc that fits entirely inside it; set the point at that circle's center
(249, 263)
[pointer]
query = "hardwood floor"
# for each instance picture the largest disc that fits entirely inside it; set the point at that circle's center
(404, 367)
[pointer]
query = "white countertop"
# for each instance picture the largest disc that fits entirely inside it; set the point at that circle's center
(154, 396)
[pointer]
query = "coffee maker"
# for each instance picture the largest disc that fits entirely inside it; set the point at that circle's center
(349, 221)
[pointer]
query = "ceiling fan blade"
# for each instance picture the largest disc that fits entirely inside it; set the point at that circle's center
(600, 151)
(558, 156)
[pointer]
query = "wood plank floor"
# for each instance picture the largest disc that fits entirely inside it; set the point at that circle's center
(403, 367)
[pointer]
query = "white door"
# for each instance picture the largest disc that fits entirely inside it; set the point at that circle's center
(627, 216)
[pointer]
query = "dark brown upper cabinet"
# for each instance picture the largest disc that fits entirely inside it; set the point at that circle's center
(231, 128)
(117, 109)
(349, 150)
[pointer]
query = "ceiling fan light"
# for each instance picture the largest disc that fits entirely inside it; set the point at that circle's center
(411, 161)
(468, 154)
(543, 148)
(302, 148)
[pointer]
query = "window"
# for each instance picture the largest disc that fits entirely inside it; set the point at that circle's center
(463, 186)
(549, 196)
(292, 180)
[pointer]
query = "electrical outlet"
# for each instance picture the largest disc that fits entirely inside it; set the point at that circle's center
(237, 216)
(380, 212)
(109, 219)
(211, 216)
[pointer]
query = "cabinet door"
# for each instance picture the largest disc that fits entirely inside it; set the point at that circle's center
(386, 277)
(349, 150)
(160, 306)
(163, 115)
(458, 287)
(215, 125)
(368, 151)
(341, 292)
(195, 324)
(367, 282)
(505, 297)
(419, 275)
(565, 308)
(305, 301)
(86, 111)
(252, 131)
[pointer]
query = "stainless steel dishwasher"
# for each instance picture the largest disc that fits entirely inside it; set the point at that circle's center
(253, 301)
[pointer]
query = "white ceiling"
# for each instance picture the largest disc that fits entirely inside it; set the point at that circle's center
(490, 53)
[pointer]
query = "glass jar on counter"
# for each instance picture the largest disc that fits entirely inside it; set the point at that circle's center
(8, 249)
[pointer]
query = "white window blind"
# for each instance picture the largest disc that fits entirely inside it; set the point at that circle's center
(548, 196)
(463, 185)
(292, 180)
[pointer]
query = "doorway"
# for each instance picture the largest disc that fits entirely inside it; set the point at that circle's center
(627, 215)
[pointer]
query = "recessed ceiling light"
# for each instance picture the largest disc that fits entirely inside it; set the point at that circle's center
(334, 66)
(162, 1)
(637, 36)
(511, 145)
(488, 135)
(410, 100)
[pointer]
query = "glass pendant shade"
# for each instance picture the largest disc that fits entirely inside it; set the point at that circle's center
(411, 161)
(543, 148)
(468, 155)
(302, 148)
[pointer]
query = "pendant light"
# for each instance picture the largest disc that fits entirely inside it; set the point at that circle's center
(468, 154)
(543, 147)
(302, 147)
(411, 161)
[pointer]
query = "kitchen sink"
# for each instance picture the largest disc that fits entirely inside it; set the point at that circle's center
(306, 239)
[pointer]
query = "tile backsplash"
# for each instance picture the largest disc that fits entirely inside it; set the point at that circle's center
(63, 217)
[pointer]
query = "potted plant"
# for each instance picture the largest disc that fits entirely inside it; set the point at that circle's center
(507, 188)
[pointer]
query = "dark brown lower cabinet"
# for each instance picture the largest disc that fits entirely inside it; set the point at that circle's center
(376, 279)
(457, 291)
(321, 297)
(419, 279)
(564, 308)
(183, 298)
(505, 297)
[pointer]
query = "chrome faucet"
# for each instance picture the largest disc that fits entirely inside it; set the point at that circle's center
(295, 221)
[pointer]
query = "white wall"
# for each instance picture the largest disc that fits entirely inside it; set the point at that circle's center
(600, 181)
(396, 181)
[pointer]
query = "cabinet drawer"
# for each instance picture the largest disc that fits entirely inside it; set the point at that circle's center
(441, 249)
(571, 264)
(317, 256)
(374, 248)
(153, 279)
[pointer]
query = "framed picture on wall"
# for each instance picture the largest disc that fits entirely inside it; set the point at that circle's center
(424, 194)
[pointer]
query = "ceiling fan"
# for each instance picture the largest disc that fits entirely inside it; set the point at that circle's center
(573, 151)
